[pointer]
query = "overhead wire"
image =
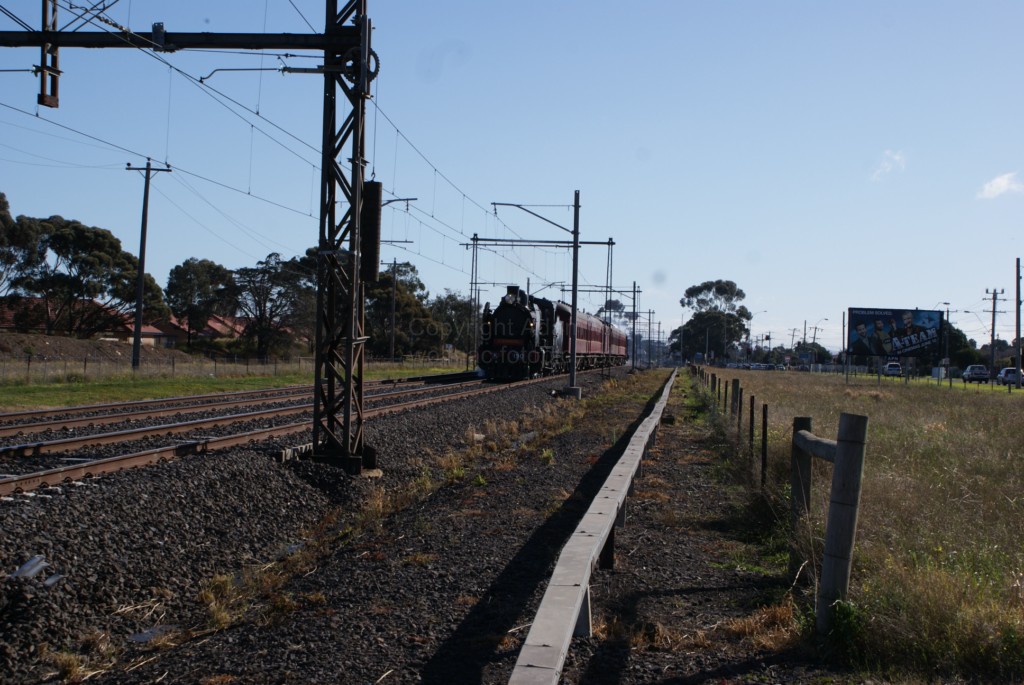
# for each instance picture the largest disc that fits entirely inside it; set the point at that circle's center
(299, 12)
(203, 86)
(221, 97)
(15, 18)
(141, 155)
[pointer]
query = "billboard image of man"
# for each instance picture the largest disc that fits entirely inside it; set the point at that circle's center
(882, 341)
(862, 344)
(909, 327)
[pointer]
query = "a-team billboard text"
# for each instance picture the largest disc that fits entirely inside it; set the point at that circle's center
(894, 332)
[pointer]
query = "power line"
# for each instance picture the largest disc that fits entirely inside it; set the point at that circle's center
(303, 17)
(198, 82)
(17, 20)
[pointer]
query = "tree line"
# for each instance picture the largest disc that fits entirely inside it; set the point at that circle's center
(61, 277)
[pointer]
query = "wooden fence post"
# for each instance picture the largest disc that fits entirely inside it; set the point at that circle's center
(800, 492)
(764, 444)
(739, 415)
(752, 398)
(842, 517)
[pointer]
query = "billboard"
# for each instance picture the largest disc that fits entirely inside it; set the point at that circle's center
(894, 332)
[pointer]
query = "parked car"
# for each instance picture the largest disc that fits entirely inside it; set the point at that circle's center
(976, 373)
(1007, 376)
(892, 369)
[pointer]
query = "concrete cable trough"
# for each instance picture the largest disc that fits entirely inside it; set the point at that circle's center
(565, 608)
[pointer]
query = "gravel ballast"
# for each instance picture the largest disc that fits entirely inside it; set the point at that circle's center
(134, 550)
(234, 568)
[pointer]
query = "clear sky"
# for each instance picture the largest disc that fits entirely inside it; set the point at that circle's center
(823, 155)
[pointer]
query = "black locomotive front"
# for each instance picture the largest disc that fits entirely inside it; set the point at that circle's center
(511, 344)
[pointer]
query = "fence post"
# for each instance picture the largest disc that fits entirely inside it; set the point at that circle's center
(736, 396)
(739, 415)
(841, 528)
(726, 407)
(800, 492)
(752, 398)
(764, 444)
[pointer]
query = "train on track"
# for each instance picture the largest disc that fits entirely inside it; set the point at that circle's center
(526, 336)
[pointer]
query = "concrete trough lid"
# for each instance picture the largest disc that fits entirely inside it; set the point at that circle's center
(565, 608)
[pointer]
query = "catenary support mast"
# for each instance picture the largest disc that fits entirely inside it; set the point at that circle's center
(349, 65)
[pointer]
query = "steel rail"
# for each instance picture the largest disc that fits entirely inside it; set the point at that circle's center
(139, 404)
(67, 444)
(104, 419)
(112, 464)
(286, 391)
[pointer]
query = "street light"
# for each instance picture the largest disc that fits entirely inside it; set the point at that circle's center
(945, 331)
(815, 329)
(814, 335)
(992, 337)
(750, 329)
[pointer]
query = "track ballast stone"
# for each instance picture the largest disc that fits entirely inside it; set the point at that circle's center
(439, 585)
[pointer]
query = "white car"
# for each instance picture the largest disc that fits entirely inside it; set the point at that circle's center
(1007, 376)
(892, 369)
(975, 373)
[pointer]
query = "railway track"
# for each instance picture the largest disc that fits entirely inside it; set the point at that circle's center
(85, 465)
(38, 420)
(95, 418)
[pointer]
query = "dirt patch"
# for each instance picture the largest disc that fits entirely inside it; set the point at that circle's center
(19, 346)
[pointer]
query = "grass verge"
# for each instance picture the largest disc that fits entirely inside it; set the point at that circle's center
(937, 589)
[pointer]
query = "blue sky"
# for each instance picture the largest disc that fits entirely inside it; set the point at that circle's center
(823, 155)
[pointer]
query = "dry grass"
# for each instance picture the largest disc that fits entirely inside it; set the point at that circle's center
(68, 665)
(639, 636)
(223, 679)
(936, 582)
(774, 627)
(420, 559)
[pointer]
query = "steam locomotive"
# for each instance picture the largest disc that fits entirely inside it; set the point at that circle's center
(527, 336)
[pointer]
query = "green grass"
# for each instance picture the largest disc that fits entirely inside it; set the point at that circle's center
(15, 396)
(938, 577)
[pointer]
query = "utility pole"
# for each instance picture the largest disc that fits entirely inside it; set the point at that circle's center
(945, 329)
(992, 340)
(140, 279)
(394, 294)
(1017, 313)
(661, 348)
(573, 388)
(650, 316)
(633, 352)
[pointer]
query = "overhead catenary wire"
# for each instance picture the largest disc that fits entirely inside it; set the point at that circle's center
(437, 223)
(115, 146)
(204, 87)
(15, 18)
